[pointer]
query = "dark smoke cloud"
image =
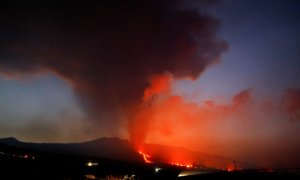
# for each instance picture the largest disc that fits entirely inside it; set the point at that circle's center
(108, 49)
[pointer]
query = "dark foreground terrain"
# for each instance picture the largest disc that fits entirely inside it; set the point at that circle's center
(25, 163)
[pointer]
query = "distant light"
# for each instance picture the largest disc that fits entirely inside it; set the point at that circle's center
(90, 176)
(157, 169)
(90, 164)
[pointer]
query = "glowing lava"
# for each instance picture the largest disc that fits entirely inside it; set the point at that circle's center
(182, 165)
(146, 157)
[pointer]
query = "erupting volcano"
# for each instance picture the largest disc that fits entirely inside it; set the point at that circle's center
(157, 73)
(167, 118)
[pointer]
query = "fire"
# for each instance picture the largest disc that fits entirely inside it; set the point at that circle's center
(146, 157)
(182, 165)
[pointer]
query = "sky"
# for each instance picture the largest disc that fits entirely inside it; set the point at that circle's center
(264, 48)
(212, 76)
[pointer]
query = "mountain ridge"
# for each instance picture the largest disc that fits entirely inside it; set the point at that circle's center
(120, 149)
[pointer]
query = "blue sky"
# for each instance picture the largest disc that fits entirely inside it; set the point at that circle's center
(264, 50)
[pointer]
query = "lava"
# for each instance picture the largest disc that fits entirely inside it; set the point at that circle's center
(146, 157)
(182, 165)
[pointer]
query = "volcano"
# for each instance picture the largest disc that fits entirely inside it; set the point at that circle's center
(119, 149)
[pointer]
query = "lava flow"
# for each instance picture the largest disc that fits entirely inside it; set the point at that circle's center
(182, 165)
(146, 157)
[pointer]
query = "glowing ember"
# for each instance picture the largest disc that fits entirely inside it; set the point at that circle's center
(229, 169)
(146, 157)
(182, 165)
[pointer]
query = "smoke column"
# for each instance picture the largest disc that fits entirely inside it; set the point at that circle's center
(107, 50)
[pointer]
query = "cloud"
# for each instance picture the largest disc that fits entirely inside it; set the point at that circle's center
(107, 49)
(246, 129)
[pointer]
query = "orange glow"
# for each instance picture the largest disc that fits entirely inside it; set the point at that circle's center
(158, 84)
(146, 157)
(182, 165)
(231, 127)
(231, 167)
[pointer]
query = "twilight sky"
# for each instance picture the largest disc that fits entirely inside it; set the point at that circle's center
(213, 76)
(264, 48)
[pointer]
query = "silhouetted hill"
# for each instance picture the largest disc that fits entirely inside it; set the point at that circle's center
(118, 149)
(10, 141)
(181, 155)
(113, 148)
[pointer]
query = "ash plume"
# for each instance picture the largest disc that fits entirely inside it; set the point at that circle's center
(107, 49)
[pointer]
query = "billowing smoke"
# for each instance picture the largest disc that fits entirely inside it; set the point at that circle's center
(249, 129)
(106, 50)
